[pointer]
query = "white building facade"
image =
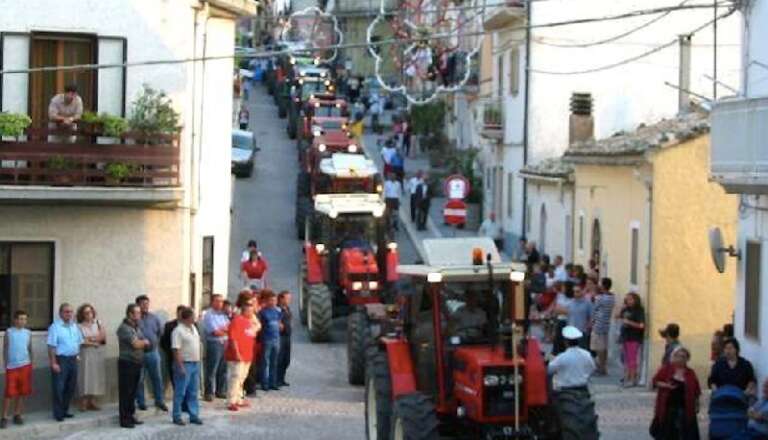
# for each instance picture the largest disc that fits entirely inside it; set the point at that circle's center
(92, 242)
(631, 67)
(740, 164)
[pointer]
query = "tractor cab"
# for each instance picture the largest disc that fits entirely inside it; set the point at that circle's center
(336, 173)
(300, 93)
(456, 340)
(349, 260)
(326, 144)
(320, 109)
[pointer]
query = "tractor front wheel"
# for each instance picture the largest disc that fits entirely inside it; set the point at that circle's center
(303, 211)
(303, 293)
(319, 312)
(358, 340)
(378, 395)
(413, 418)
(282, 112)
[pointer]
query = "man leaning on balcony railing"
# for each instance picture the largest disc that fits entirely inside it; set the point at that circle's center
(64, 111)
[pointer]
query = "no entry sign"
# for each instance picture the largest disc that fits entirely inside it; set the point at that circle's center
(455, 212)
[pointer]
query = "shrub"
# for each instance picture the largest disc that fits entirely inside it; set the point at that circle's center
(13, 124)
(153, 112)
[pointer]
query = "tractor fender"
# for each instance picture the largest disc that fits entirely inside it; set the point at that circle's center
(392, 260)
(535, 375)
(401, 369)
(314, 264)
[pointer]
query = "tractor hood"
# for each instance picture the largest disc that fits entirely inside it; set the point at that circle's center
(359, 261)
(488, 386)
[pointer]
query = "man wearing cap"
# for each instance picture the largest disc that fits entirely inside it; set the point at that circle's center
(573, 367)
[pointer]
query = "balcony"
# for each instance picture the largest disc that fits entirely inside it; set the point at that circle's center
(739, 156)
(65, 166)
(492, 119)
(358, 7)
(502, 16)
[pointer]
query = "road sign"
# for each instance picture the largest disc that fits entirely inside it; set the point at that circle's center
(455, 212)
(456, 187)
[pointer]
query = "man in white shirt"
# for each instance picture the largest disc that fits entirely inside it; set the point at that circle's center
(560, 273)
(413, 188)
(489, 228)
(392, 193)
(573, 367)
(387, 153)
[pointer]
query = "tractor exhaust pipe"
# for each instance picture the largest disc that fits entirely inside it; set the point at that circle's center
(507, 340)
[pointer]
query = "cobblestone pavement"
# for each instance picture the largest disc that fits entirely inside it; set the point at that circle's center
(319, 404)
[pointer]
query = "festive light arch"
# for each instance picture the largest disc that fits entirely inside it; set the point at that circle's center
(307, 21)
(431, 30)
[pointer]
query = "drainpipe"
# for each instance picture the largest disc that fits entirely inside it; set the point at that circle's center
(526, 104)
(648, 283)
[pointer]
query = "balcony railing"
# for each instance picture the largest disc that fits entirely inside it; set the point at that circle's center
(739, 154)
(492, 119)
(65, 158)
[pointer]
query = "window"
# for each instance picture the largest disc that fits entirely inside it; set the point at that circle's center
(568, 238)
(581, 232)
(510, 194)
(514, 72)
(26, 283)
(500, 76)
(207, 269)
(752, 289)
(60, 50)
(543, 229)
(634, 254)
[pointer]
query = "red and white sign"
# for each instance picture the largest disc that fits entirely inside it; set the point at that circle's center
(455, 212)
(456, 187)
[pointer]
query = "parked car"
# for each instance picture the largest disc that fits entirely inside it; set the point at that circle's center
(243, 152)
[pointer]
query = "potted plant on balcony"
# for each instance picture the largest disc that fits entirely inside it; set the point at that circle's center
(61, 166)
(91, 124)
(13, 124)
(117, 172)
(152, 114)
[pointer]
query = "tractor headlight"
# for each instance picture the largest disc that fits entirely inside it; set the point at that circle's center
(352, 148)
(357, 285)
(392, 246)
(373, 285)
(491, 380)
(322, 147)
(322, 74)
(320, 248)
(517, 277)
(301, 81)
(379, 188)
(327, 82)
(317, 105)
(333, 213)
(378, 212)
(317, 132)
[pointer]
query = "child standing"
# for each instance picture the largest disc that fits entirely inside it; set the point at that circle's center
(270, 316)
(17, 352)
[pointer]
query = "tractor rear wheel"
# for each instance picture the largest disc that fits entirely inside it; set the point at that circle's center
(303, 293)
(282, 112)
(303, 211)
(319, 312)
(378, 395)
(303, 184)
(413, 418)
(358, 340)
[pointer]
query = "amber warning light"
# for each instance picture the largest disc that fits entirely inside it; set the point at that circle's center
(477, 257)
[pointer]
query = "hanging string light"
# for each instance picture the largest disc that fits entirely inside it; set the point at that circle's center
(417, 64)
(315, 29)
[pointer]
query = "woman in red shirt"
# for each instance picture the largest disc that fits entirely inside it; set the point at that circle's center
(677, 400)
(239, 354)
(254, 271)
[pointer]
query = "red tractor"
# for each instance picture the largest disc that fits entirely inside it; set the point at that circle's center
(450, 358)
(335, 173)
(348, 262)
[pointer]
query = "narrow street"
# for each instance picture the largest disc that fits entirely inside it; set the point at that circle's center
(319, 404)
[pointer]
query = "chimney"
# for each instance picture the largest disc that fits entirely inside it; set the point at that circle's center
(684, 81)
(582, 124)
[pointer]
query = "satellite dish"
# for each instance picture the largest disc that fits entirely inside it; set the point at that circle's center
(716, 249)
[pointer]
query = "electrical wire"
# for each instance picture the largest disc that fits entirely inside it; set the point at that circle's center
(266, 54)
(636, 57)
(614, 38)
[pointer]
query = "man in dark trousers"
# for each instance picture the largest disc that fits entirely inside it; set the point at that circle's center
(423, 201)
(284, 356)
(165, 342)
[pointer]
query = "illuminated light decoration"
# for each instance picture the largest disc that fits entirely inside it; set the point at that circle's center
(319, 30)
(426, 34)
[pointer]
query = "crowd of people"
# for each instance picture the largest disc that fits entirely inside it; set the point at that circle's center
(238, 345)
(578, 307)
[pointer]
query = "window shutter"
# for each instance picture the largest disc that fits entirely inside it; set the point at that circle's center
(752, 289)
(111, 81)
(14, 88)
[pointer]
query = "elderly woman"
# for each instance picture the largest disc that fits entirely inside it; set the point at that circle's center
(677, 399)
